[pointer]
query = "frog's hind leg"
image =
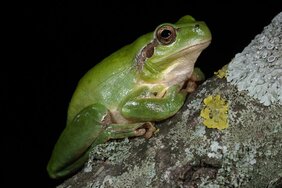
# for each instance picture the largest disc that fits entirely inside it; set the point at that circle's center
(116, 131)
(70, 151)
(90, 127)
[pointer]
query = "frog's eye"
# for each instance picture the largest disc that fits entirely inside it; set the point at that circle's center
(166, 34)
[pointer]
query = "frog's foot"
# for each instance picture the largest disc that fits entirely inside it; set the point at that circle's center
(190, 86)
(193, 82)
(116, 131)
(150, 129)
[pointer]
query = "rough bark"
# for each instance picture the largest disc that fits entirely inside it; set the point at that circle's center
(185, 153)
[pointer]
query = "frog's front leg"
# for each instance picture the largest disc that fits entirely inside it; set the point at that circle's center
(154, 108)
(92, 126)
(192, 82)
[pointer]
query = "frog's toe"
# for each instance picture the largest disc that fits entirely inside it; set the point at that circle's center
(140, 132)
(150, 129)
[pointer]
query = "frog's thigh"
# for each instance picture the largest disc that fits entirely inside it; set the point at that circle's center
(71, 149)
(93, 126)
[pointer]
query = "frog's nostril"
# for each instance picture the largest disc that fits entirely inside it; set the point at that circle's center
(197, 26)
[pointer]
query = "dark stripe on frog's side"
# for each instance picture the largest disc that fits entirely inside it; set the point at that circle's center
(146, 52)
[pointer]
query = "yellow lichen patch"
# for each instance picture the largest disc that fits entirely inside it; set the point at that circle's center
(215, 112)
(221, 73)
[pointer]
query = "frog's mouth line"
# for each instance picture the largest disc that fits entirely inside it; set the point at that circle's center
(199, 47)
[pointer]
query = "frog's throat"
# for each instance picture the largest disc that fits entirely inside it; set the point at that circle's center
(181, 70)
(182, 65)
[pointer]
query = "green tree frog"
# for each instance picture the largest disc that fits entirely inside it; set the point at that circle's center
(122, 96)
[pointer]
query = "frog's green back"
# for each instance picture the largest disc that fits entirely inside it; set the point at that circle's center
(109, 81)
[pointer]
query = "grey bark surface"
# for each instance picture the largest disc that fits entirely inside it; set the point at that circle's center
(185, 153)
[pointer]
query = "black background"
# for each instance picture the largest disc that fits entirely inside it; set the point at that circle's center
(56, 42)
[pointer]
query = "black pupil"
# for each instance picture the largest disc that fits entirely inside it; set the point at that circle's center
(165, 33)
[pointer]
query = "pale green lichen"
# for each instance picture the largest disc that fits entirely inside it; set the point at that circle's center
(133, 177)
(257, 69)
(110, 150)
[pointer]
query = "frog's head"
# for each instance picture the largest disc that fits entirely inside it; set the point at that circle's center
(170, 55)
